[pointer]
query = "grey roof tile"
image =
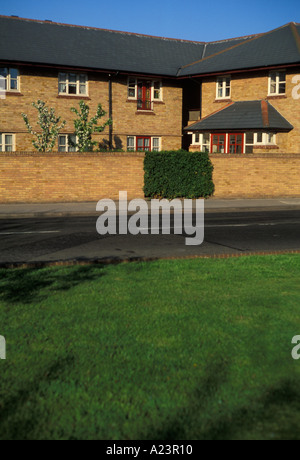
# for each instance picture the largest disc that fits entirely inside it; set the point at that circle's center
(65, 45)
(273, 48)
(243, 115)
(40, 42)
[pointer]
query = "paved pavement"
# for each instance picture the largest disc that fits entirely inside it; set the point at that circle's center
(89, 208)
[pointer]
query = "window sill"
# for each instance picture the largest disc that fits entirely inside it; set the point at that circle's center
(277, 96)
(265, 146)
(13, 93)
(73, 96)
(223, 100)
(144, 112)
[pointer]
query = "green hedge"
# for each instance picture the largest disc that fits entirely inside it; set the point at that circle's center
(178, 174)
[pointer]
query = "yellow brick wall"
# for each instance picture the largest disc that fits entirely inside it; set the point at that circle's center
(32, 177)
(254, 86)
(256, 176)
(35, 83)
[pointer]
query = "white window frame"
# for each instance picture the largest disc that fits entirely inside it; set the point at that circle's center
(198, 139)
(265, 139)
(277, 82)
(67, 82)
(222, 84)
(67, 136)
(264, 142)
(4, 144)
(134, 148)
(132, 83)
(8, 79)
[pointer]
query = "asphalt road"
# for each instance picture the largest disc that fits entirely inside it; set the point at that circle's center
(45, 239)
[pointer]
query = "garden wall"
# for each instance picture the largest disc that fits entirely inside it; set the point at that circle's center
(34, 177)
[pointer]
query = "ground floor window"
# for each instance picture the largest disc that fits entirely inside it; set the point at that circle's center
(7, 142)
(67, 143)
(233, 143)
(143, 143)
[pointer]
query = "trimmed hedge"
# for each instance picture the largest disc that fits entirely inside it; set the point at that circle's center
(178, 174)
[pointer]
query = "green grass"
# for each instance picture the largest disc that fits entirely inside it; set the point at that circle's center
(167, 350)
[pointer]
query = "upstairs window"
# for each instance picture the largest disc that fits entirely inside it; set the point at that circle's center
(144, 92)
(277, 83)
(9, 79)
(6, 142)
(72, 84)
(223, 88)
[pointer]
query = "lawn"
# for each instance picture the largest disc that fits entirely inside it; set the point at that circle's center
(165, 350)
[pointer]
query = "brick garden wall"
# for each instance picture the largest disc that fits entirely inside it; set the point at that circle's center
(64, 177)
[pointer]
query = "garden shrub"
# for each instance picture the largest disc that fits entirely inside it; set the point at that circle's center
(178, 174)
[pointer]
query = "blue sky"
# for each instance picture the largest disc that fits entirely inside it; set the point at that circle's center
(187, 19)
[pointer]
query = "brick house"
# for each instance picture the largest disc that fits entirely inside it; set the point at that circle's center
(231, 96)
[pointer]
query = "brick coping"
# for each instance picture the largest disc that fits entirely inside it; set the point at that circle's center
(142, 155)
(71, 154)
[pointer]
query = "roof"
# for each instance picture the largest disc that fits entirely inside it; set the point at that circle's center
(40, 42)
(278, 47)
(244, 115)
(47, 43)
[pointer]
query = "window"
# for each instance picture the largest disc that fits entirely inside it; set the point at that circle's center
(253, 140)
(143, 143)
(10, 77)
(249, 142)
(131, 88)
(131, 144)
(67, 143)
(223, 88)
(144, 95)
(157, 91)
(6, 142)
(277, 83)
(235, 143)
(72, 84)
(218, 143)
(264, 138)
(202, 139)
(144, 92)
(156, 144)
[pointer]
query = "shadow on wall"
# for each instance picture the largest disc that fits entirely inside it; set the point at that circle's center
(117, 145)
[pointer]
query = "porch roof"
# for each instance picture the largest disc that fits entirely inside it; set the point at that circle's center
(245, 115)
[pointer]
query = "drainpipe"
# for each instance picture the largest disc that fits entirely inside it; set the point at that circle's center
(110, 141)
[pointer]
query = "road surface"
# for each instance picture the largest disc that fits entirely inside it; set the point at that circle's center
(52, 239)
